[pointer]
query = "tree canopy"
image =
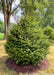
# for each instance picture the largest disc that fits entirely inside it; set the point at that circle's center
(48, 17)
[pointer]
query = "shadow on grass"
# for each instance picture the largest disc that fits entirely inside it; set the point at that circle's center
(2, 43)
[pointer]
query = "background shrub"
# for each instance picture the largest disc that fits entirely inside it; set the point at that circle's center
(1, 36)
(2, 27)
(26, 43)
(49, 31)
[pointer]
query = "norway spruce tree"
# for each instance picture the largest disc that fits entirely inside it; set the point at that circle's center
(26, 44)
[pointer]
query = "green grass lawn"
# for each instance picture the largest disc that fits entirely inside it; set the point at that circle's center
(1, 36)
(5, 71)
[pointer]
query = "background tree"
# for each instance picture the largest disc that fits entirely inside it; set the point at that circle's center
(48, 17)
(6, 6)
(33, 8)
(36, 8)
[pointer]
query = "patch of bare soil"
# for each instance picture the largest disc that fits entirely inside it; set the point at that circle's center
(44, 64)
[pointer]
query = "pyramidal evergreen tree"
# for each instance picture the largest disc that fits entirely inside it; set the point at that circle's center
(26, 44)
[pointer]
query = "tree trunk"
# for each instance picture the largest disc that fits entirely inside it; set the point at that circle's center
(6, 31)
(7, 22)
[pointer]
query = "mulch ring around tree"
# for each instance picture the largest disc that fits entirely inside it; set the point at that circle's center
(44, 64)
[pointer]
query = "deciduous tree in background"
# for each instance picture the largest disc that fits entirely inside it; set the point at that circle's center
(31, 7)
(6, 6)
(48, 17)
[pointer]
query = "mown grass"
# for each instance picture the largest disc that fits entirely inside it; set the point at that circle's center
(5, 71)
(1, 36)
